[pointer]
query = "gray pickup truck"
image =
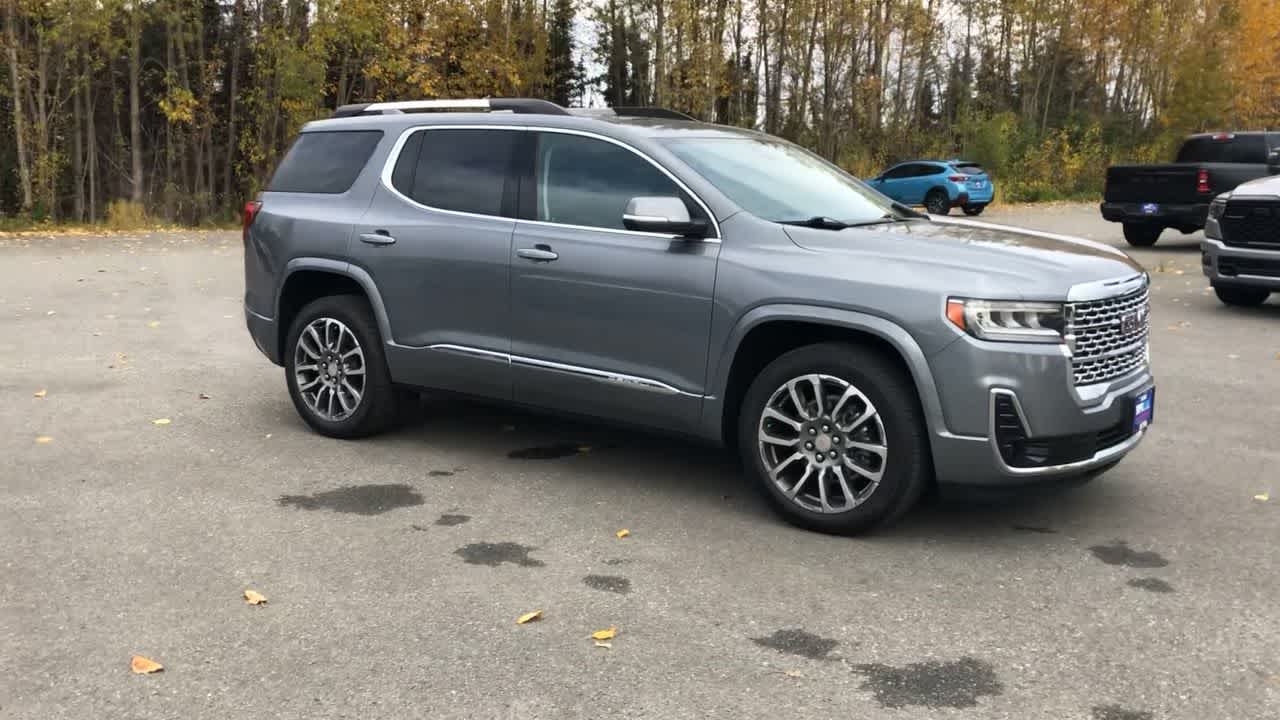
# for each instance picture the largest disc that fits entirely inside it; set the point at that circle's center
(1241, 248)
(1149, 198)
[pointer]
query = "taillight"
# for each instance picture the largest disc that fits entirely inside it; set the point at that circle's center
(1202, 181)
(957, 178)
(251, 209)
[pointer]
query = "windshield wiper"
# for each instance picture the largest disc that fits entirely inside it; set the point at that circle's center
(821, 222)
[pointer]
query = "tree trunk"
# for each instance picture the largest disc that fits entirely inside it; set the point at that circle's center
(77, 153)
(237, 24)
(19, 121)
(135, 113)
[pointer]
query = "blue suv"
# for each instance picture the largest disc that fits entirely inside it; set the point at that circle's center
(938, 185)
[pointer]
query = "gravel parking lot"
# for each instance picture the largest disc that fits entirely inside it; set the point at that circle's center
(395, 568)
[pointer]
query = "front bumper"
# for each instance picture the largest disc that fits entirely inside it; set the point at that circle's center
(1182, 215)
(1014, 416)
(1226, 265)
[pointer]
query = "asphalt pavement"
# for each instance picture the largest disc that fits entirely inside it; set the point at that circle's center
(395, 568)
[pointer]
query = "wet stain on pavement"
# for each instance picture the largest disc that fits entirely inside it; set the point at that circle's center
(1035, 529)
(1115, 712)
(450, 520)
(798, 642)
(547, 452)
(1119, 553)
(956, 684)
(617, 561)
(608, 583)
(420, 528)
(494, 554)
(1155, 585)
(440, 473)
(356, 499)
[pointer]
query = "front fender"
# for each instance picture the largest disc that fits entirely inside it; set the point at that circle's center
(899, 339)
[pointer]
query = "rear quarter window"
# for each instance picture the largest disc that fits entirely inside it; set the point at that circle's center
(324, 162)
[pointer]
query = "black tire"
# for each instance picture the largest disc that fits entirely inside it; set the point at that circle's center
(974, 210)
(1141, 234)
(378, 408)
(937, 202)
(907, 469)
(1241, 296)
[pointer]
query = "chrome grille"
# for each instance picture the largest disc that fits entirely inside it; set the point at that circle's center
(1108, 337)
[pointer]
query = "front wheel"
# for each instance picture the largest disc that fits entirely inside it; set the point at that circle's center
(1241, 296)
(974, 210)
(1141, 234)
(937, 202)
(336, 370)
(834, 437)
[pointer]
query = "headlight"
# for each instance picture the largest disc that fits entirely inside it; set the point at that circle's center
(1219, 205)
(1009, 321)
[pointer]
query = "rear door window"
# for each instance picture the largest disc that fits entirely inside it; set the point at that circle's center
(324, 162)
(927, 169)
(1249, 149)
(463, 170)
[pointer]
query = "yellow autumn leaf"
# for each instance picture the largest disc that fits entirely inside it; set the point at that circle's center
(529, 617)
(605, 634)
(153, 324)
(253, 597)
(144, 666)
(623, 533)
(1262, 497)
(40, 393)
(44, 440)
(160, 421)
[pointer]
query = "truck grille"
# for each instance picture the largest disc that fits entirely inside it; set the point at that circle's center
(1251, 222)
(1109, 336)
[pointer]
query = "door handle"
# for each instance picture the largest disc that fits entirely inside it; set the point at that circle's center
(379, 237)
(541, 253)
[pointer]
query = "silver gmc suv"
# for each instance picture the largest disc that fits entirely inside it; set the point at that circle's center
(640, 267)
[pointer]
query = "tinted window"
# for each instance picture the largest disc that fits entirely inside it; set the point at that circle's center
(1205, 150)
(926, 170)
(900, 172)
(583, 181)
(970, 168)
(461, 170)
(1249, 149)
(324, 162)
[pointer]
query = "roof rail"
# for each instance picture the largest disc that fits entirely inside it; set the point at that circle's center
(522, 106)
(650, 112)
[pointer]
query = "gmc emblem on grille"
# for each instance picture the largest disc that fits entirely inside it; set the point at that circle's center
(1129, 323)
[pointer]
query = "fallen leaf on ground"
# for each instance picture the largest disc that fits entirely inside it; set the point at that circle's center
(623, 533)
(605, 645)
(160, 421)
(40, 393)
(44, 439)
(605, 634)
(153, 324)
(253, 597)
(584, 449)
(792, 673)
(144, 666)
(204, 396)
(1262, 497)
(529, 617)
(1233, 356)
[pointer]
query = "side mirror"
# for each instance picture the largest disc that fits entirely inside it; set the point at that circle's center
(1273, 162)
(664, 214)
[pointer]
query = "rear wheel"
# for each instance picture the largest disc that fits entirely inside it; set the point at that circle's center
(1141, 234)
(974, 210)
(834, 436)
(336, 370)
(1241, 296)
(937, 202)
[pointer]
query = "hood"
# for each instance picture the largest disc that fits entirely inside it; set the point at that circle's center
(966, 256)
(1269, 185)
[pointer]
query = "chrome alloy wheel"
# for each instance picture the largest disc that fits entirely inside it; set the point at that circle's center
(823, 443)
(328, 367)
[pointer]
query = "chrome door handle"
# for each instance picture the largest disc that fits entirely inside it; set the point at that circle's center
(377, 238)
(537, 254)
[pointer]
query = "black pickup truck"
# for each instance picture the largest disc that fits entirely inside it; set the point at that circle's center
(1150, 198)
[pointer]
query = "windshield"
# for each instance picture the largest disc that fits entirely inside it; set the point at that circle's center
(780, 182)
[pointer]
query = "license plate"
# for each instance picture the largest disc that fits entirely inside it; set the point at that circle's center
(1150, 208)
(1144, 407)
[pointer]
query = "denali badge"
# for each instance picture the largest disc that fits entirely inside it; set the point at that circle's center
(1129, 323)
